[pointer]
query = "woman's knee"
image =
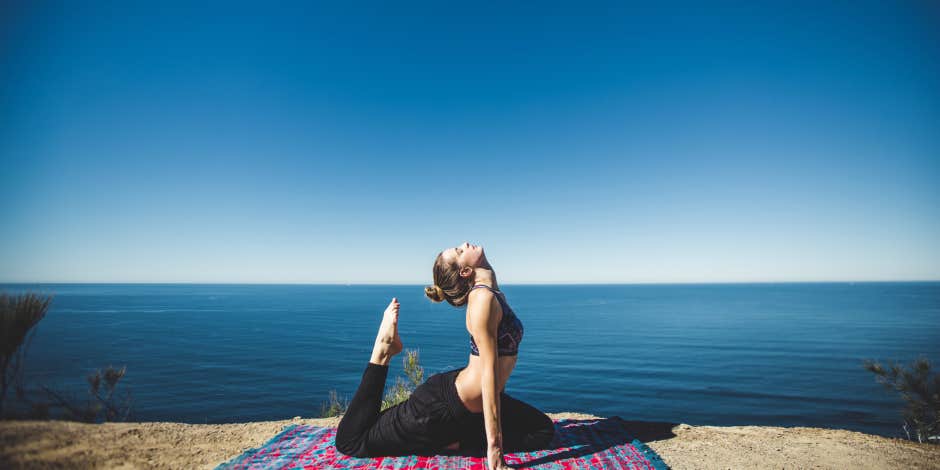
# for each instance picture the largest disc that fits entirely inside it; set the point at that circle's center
(535, 435)
(542, 432)
(546, 432)
(348, 444)
(351, 449)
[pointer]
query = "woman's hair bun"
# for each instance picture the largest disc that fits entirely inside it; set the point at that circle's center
(435, 293)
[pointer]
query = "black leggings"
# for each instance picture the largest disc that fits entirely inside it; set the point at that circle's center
(430, 419)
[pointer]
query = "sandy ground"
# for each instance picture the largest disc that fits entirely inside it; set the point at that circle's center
(57, 444)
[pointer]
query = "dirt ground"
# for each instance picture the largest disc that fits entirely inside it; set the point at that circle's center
(59, 444)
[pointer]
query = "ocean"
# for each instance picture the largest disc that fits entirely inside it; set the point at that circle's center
(710, 354)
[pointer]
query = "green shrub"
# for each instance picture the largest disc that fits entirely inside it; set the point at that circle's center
(414, 376)
(403, 387)
(18, 315)
(102, 404)
(921, 393)
(334, 407)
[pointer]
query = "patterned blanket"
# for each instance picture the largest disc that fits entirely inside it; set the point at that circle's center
(578, 444)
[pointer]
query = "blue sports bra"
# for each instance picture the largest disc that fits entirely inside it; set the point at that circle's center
(508, 333)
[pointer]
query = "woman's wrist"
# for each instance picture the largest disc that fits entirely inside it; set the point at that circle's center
(494, 449)
(495, 443)
(494, 455)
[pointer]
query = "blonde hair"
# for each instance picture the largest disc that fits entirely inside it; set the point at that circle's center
(448, 285)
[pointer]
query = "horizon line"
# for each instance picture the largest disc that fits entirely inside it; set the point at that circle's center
(602, 283)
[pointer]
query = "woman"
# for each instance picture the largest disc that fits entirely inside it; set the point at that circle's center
(465, 409)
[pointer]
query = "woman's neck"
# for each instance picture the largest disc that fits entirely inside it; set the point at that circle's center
(485, 276)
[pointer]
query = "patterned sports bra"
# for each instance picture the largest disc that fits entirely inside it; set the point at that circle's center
(508, 333)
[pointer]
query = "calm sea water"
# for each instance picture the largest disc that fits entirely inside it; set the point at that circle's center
(762, 354)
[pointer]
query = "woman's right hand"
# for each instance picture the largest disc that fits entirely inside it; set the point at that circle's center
(494, 461)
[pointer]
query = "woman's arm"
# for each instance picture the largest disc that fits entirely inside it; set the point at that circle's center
(483, 325)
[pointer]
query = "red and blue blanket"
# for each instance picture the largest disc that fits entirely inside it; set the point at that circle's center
(602, 443)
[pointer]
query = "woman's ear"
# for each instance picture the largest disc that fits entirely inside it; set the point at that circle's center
(466, 271)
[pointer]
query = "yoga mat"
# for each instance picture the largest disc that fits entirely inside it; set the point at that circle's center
(578, 444)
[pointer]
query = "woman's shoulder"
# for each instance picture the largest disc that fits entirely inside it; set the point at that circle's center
(481, 292)
(478, 298)
(485, 302)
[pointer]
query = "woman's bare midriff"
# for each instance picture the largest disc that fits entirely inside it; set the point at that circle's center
(469, 380)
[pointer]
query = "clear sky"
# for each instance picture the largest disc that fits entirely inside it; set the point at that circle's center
(579, 143)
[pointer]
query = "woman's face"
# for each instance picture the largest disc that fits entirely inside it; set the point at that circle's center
(466, 255)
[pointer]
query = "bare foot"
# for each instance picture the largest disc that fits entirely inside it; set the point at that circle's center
(387, 342)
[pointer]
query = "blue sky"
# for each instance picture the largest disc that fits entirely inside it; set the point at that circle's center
(156, 142)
